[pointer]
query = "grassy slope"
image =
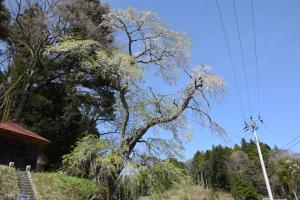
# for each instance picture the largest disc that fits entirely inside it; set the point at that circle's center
(8, 182)
(62, 187)
(191, 193)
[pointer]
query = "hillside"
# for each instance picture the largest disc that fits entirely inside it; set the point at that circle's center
(62, 187)
(191, 193)
(8, 183)
(50, 186)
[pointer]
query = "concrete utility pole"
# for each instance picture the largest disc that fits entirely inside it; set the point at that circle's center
(296, 197)
(251, 125)
(263, 166)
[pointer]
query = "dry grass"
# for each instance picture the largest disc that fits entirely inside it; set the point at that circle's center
(9, 188)
(190, 193)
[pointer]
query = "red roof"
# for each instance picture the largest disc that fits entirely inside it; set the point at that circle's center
(13, 128)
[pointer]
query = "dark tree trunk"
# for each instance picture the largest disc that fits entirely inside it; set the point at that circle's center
(20, 107)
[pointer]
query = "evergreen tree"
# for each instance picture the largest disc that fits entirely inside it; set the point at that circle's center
(219, 167)
(241, 189)
(238, 170)
(52, 96)
(85, 19)
(3, 21)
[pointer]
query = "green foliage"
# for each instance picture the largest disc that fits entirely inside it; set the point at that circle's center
(74, 46)
(219, 167)
(90, 158)
(198, 167)
(212, 167)
(58, 118)
(9, 188)
(288, 175)
(250, 149)
(54, 95)
(112, 66)
(85, 18)
(162, 176)
(238, 170)
(62, 187)
(153, 180)
(253, 171)
(66, 74)
(241, 189)
(4, 15)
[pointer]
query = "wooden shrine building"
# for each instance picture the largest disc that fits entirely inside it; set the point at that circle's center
(19, 145)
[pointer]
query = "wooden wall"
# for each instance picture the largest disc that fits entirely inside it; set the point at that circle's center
(19, 151)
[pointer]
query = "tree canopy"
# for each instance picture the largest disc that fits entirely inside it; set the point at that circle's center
(4, 15)
(138, 107)
(80, 74)
(238, 170)
(42, 92)
(150, 45)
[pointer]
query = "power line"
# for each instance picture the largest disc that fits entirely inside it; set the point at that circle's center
(243, 57)
(231, 59)
(256, 57)
(294, 145)
(292, 141)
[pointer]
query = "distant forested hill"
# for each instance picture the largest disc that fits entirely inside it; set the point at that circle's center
(238, 170)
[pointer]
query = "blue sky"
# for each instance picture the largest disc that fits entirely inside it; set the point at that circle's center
(278, 47)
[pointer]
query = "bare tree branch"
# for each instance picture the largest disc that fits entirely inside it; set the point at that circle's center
(132, 140)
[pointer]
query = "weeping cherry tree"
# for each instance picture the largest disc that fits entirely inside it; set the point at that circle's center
(146, 46)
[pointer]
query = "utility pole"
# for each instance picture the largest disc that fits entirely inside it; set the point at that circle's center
(252, 125)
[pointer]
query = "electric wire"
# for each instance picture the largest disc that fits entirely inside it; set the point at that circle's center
(256, 58)
(243, 57)
(293, 145)
(231, 59)
(291, 142)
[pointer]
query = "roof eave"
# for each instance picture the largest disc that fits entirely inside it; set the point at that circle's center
(39, 140)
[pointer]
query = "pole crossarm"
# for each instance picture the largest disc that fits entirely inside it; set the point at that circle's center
(252, 124)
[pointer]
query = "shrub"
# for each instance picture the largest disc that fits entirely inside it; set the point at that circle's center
(153, 180)
(91, 158)
(241, 189)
